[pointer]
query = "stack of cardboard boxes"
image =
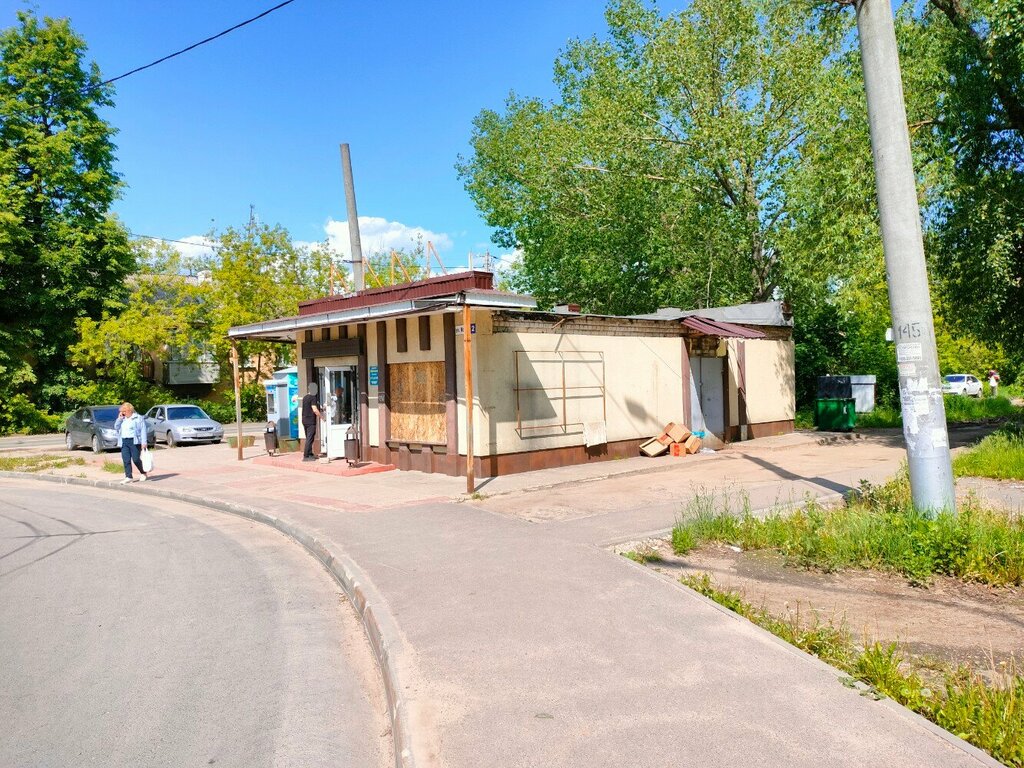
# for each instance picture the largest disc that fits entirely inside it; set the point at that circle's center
(675, 439)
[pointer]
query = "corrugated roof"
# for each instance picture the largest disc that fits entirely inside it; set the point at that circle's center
(442, 285)
(757, 313)
(711, 327)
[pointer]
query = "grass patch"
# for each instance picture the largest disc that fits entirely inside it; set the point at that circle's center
(883, 417)
(1000, 455)
(989, 716)
(968, 409)
(804, 419)
(114, 467)
(38, 463)
(959, 410)
(644, 553)
(879, 529)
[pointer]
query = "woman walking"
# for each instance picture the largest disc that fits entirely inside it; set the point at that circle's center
(131, 438)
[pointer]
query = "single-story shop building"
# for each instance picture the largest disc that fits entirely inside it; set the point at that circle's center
(394, 365)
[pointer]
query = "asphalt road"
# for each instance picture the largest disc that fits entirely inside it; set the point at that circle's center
(143, 632)
(56, 440)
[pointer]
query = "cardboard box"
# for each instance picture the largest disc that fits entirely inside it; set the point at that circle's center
(653, 448)
(677, 432)
(692, 444)
(677, 449)
(665, 438)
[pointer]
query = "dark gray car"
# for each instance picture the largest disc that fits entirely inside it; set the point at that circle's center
(177, 424)
(93, 426)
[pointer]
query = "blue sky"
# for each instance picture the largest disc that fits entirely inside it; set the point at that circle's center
(256, 117)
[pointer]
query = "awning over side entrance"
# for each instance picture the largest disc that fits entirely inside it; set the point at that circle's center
(710, 327)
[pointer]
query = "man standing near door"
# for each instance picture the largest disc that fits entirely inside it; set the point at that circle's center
(310, 417)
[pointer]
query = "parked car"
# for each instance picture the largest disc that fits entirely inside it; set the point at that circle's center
(175, 424)
(961, 384)
(93, 426)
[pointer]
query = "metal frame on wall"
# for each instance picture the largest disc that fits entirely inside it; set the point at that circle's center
(560, 358)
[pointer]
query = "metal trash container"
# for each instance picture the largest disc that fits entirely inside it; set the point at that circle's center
(270, 438)
(835, 414)
(351, 447)
(864, 392)
(835, 386)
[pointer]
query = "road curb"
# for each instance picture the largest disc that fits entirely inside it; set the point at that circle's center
(378, 623)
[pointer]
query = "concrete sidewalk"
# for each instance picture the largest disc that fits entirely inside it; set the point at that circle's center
(522, 643)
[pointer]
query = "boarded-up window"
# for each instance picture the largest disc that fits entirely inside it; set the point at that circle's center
(417, 402)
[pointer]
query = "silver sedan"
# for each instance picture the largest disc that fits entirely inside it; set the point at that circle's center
(177, 424)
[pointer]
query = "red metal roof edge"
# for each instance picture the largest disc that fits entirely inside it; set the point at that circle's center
(442, 285)
(720, 328)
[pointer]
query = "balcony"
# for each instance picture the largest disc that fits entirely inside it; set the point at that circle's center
(177, 373)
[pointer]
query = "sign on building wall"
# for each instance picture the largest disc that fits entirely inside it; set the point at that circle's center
(374, 376)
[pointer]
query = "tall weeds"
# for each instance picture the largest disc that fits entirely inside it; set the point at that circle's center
(879, 529)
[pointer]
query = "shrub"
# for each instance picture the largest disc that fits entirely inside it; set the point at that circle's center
(18, 415)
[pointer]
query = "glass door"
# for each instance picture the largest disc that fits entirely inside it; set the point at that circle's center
(340, 397)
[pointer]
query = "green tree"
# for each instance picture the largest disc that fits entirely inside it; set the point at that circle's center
(665, 171)
(62, 256)
(168, 307)
(260, 273)
(967, 65)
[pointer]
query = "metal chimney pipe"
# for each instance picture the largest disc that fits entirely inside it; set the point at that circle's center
(353, 219)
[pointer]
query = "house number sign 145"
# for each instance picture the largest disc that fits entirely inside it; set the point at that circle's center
(909, 331)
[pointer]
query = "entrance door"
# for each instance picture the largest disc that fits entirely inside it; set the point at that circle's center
(340, 396)
(712, 398)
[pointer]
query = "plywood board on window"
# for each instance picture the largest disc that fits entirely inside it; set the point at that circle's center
(417, 402)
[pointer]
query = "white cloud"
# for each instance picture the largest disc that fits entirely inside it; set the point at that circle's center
(378, 234)
(507, 260)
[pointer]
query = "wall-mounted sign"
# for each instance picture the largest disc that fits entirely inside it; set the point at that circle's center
(374, 376)
(460, 329)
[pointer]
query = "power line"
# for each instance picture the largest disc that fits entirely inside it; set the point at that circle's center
(191, 47)
(211, 246)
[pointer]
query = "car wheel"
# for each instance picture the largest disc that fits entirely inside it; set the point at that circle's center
(170, 439)
(69, 441)
(97, 446)
(963, 391)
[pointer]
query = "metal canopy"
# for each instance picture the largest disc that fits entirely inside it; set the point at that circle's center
(284, 328)
(710, 327)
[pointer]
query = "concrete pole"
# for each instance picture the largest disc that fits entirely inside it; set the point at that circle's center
(353, 219)
(237, 379)
(924, 412)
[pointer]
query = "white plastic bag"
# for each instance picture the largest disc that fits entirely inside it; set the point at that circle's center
(147, 460)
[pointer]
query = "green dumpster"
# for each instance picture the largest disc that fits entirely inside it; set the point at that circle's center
(835, 414)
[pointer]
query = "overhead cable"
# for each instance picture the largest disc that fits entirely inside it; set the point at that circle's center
(191, 47)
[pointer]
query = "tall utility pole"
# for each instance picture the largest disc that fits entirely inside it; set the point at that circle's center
(924, 412)
(356, 257)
